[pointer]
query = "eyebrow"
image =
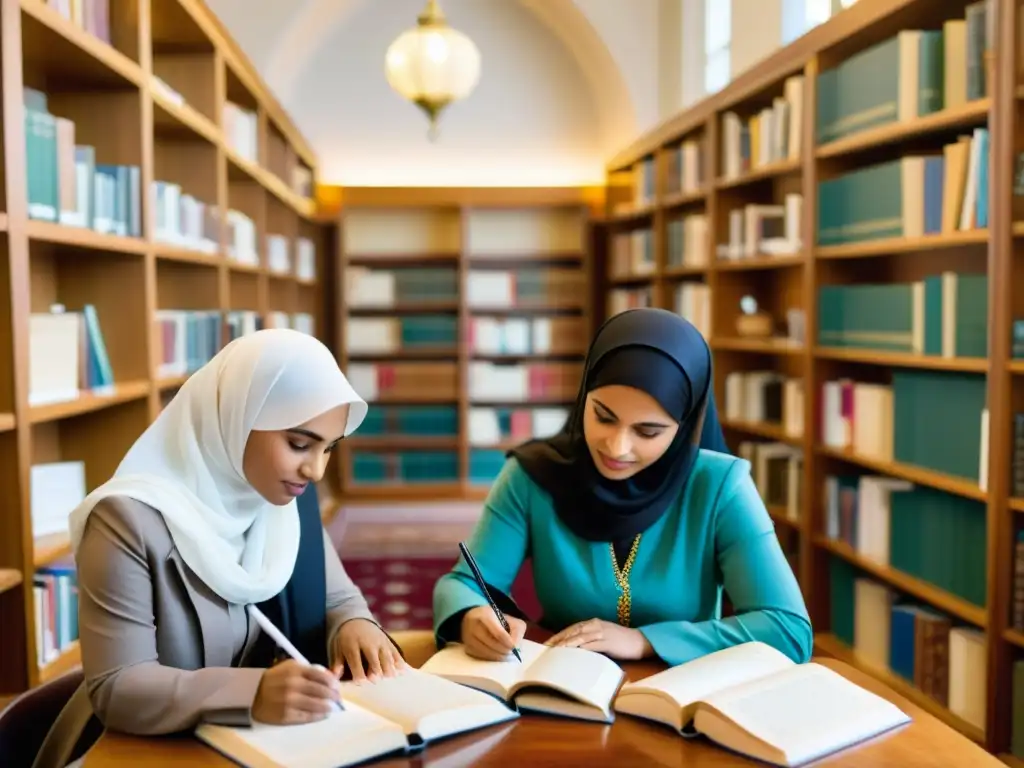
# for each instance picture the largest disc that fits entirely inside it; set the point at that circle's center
(307, 433)
(313, 435)
(653, 424)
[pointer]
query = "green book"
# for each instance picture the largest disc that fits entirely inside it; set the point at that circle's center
(897, 79)
(922, 439)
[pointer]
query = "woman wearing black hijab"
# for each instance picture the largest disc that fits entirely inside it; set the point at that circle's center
(633, 529)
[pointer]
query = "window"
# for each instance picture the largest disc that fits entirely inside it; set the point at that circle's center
(793, 20)
(817, 12)
(801, 16)
(717, 48)
(693, 51)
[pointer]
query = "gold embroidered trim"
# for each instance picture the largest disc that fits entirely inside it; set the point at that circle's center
(622, 578)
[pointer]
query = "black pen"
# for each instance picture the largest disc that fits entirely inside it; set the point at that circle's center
(483, 588)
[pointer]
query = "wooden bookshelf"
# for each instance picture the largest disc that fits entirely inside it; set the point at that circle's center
(143, 251)
(969, 578)
(465, 316)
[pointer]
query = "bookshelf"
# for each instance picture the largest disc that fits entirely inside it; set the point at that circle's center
(465, 316)
(864, 330)
(156, 202)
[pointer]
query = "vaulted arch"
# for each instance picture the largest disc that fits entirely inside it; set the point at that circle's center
(312, 25)
(308, 29)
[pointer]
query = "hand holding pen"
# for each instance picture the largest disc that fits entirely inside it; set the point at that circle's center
(486, 632)
(293, 691)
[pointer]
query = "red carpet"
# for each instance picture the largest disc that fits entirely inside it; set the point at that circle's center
(396, 557)
(400, 589)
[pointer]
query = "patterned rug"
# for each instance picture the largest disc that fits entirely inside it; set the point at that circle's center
(399, 590)
(396, 558)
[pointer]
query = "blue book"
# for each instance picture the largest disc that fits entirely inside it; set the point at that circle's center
(901, 640)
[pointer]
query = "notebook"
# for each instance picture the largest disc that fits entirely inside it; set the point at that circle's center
(392, 716)
(754, 700)
(570, 682)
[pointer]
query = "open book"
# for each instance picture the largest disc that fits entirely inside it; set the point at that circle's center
(570, 682)
(394, 715)
(754, 700)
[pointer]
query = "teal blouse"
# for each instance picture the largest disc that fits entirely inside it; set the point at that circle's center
(716, 535)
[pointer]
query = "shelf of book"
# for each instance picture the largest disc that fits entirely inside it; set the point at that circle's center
(830, 646)
(465, 319)
(156, 202)
(843, 223)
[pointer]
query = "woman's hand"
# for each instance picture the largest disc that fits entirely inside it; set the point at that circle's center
(292, 692)
(613, 640)
(360, 639)
(485, 638)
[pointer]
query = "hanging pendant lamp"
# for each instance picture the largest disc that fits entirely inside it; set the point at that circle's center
(432, 65)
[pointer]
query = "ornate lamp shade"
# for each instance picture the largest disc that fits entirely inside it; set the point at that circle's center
(432, 64)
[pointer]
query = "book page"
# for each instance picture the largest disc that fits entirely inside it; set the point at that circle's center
(427, 705)
(796, 716)
(689, 683)
(575, 672)
(341, 739)
(692, 681)
(497, 677)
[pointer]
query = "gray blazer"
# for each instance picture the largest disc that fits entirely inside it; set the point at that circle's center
(160, 650)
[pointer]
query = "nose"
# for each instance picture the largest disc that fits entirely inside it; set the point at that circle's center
(619, 444)
(314, 468)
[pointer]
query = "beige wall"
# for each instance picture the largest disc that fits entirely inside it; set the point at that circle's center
(756, 32)
(670, 57)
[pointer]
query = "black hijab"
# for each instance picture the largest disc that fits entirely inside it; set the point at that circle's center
(300, 609)
(664, 355)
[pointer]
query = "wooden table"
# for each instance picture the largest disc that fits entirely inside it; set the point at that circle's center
(537, 741)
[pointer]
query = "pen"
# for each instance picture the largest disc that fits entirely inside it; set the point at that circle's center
(283, 642)
(471, 562)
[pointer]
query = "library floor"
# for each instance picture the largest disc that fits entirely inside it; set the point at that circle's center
(396, 565)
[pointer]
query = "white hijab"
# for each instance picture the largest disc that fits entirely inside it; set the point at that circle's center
(188, 463)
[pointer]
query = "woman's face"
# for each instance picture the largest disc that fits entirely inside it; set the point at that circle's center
(280, 464)
(626, 430)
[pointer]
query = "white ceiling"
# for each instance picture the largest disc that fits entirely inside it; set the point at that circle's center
(611, 45)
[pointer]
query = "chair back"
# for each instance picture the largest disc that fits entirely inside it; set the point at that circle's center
(25, 722)
(524, 593)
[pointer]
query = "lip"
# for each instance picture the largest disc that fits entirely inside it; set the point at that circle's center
(613, 464)
(295, 489)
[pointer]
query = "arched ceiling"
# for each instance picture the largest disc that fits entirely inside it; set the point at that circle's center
(608, 87)
(600, 35)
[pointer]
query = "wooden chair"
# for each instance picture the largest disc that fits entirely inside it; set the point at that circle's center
(26, 720)
(417, 645)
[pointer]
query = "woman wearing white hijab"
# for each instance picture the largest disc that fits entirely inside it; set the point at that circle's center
(200, 521)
